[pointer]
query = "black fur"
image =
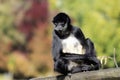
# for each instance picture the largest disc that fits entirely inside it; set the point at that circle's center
(87, 62)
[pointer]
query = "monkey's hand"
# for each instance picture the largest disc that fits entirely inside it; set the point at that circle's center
(86, 67)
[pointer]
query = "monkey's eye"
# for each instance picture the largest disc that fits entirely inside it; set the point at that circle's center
(62, 24)
(55, 24)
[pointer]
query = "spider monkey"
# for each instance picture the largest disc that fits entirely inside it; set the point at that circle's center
(71, 51)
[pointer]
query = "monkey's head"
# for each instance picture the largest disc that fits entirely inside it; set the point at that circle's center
(62, 24)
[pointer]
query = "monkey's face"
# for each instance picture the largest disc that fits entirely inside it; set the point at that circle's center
(61, 23)
(60, 27)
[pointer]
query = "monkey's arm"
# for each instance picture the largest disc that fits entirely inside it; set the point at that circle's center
(73, 56)
(56, 47)
(90, 63)
(60, 64)
(93, 63)
(79, 34)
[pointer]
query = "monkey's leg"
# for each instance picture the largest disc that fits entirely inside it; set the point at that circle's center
(94, 63)
(61, 65)
(76, 69)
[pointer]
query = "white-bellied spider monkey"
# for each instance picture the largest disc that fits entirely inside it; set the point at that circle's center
(71, 51)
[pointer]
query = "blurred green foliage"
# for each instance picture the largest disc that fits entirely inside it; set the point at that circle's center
(8, 31)
(99, 20)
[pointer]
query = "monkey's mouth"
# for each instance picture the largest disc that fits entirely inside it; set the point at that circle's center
(60, 31)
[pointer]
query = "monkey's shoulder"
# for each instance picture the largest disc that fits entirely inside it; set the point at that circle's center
(76, 29)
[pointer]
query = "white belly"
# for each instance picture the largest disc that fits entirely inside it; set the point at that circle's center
(72, 45)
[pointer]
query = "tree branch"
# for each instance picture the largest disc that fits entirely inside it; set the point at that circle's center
(105, 74)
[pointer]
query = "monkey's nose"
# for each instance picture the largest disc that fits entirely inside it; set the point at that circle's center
(60, 31)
